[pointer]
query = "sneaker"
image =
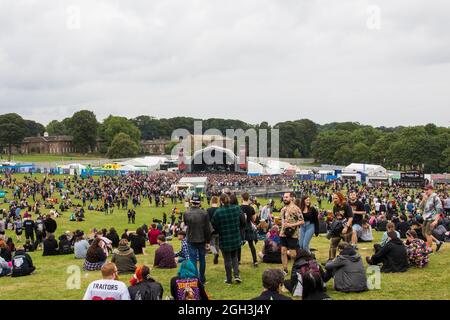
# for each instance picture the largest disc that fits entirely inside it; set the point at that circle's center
(255, 264)
(237, 279)
(438, 246)
(227, 282)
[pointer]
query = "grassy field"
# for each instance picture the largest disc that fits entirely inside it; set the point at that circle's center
(51, 277)
(34, 158)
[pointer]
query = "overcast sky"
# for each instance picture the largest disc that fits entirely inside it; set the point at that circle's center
(379, 62)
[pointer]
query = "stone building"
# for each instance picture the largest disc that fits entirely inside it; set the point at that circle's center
(154, 147)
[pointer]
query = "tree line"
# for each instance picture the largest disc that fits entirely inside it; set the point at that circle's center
(425, 148)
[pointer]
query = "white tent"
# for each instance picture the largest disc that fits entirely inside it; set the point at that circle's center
(369, 169)
(255, 168)
(150, 163)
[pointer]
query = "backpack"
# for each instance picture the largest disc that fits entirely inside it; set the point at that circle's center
(439, 232)
(297, 280)
(188, 289)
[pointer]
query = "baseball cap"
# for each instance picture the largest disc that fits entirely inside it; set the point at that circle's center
(195, 199)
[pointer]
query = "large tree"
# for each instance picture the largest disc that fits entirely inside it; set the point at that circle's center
(84, 127)
(123, 146)
(34, 128)
(115, 125)
(12, 131)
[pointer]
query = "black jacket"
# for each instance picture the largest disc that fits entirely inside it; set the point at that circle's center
(114, 237)
(65, 247)
(22, 264)
(50, 247)
(146, 290)
(393, 256)
(271, 295)
(50, 225)
(198, 226)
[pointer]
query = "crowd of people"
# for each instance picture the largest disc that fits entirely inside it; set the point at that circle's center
(415, 224)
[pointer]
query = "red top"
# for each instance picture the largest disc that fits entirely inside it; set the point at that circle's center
(153, 236)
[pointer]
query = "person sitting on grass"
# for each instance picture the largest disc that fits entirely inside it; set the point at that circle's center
(366, 232)
(5, 251)
(187, 285)
(153, 234)
(81, 245)
(347, 270)
(5, 269)
(50, 246)
(137, 241)
(272, 280)
(271, 251)
(304, 261)
(143, 286)
(417, 250)
(313, 286)
(28, 246)
(22, 264)
(390, 227)
(392, 256)
(124, 258)
(95, 256)
(65, 246)
(183, 254)
(164, 255)
(108, 288)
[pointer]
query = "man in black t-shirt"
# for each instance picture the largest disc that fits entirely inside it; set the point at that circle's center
(28, 225)
(359, 214)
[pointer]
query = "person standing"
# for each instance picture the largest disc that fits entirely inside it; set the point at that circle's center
(214, 236)
(227, 222)
(198, 235)
(431, 207)
(311, 225)
(359, 214)
(343, 214)
(292, 219)
(108, 288)
(250, 226)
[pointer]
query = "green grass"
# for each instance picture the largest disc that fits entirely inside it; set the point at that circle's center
(49, 280)
(50, 157)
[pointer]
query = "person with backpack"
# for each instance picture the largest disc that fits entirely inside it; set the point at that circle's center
(143, 286)
(187, 285)
(313, 286)
(347, 270)
(22, 264)
(40, 231)
(304, 262)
